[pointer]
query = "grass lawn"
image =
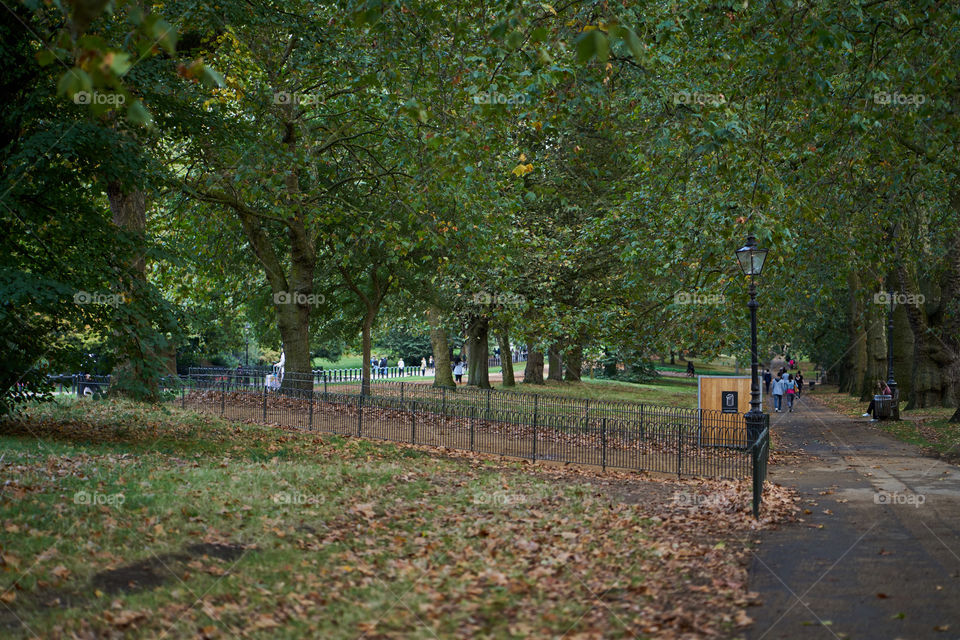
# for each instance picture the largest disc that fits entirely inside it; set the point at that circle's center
(675, 392)
(125, 518)
(346, 361)
(928, 428)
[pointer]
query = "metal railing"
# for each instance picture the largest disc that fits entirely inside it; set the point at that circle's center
(608, 434)
(622, 435)
(759, 457)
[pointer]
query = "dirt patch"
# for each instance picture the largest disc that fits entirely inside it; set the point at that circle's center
(155, 571)
(139, 576)
(219, 551)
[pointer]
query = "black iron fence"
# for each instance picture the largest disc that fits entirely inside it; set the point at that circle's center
(622, 435)
(760, 455)
(608, 434)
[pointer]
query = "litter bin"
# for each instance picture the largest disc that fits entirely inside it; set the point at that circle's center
(882, 406)
(89, 388)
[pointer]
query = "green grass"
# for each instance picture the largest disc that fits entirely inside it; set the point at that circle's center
(677, 392)
(105, 502)
(347, 361)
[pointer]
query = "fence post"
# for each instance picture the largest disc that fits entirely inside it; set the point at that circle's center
(679, 449)
(264, 400)
(756, 497)
(473, 411)
(360, 415)
(401, 394)
(310, 423)
(413, 423)
(536, 406)
(603, 444)
(223, 397)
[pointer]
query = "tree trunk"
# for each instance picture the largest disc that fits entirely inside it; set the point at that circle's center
(555, 363)
(478, 372)
(902, 351)
(875, 327)
(294, 324)
(573, 363)
(533, 372)
(506, 358)
(139, 364)
(856, 360)
(926, 385)
(365, 348)
(443, 376)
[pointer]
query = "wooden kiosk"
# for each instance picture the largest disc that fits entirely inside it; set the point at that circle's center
(723, 400)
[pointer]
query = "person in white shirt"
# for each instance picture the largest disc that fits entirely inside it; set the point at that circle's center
(777, 389)
(400, 364)
(458, 371)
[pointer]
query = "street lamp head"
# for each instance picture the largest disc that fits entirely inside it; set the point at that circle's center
(751, 257)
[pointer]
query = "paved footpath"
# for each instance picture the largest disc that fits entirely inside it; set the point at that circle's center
(878, 556)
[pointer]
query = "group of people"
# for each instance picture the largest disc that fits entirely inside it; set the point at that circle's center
(784, 384)
(379, 366)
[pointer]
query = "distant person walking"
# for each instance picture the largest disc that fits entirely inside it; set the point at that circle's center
(423, 366)
(778, 390)
(433, 369)
(690, 370)
(799, 379)
(767, 379)
(790, 390)
(383, 366)
(400, 365)
(458, 371)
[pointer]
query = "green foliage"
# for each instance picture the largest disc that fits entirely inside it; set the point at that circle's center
(398, 342)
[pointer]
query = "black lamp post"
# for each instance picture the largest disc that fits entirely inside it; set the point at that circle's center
(895, 409)
(751, 259)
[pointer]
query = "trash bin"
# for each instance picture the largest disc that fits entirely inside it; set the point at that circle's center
(882, 406)
(89, 388)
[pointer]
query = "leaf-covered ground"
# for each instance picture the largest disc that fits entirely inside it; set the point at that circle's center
(123, 519)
